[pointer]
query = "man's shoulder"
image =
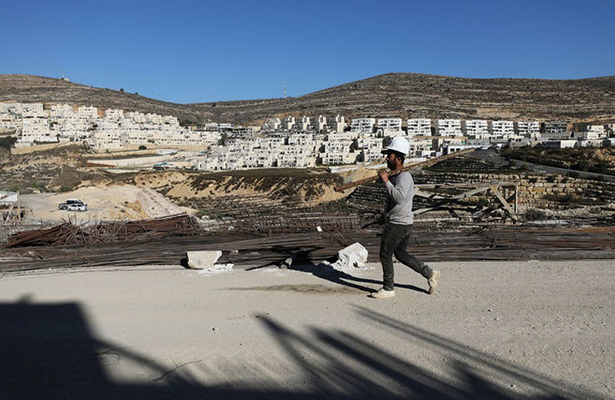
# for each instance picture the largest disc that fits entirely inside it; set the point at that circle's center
(405, 175)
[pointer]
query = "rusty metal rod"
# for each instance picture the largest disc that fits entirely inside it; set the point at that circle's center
(426, 163)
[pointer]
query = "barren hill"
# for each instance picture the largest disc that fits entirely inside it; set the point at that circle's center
(394, 95)
(38, 89)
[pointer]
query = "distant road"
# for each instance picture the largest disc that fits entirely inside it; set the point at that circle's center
(493, 156)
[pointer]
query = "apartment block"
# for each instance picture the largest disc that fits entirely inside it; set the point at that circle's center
(338, 123)
(594, 132)
(419, 127)
(338, 152)
(61, 111)
(36, 130)
(389, 127)
(502, 130)
(528, 129)
(363, 125)
(319, 124)
(370, 148)
(272, 124)
(420, 145)
(334, 136)
(303, 124)
(556, 127)
(34, 110)
(288, 123)
(88, 112)
(449, 127)
(476, 129)
(114, 114)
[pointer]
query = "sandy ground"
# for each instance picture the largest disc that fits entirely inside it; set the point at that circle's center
(115, 202)
(529, 330)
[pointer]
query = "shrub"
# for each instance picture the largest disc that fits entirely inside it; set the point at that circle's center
(8, 142)
(534, 214)
(562, 198)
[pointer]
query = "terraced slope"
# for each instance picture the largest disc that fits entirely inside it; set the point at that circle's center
(400, 94)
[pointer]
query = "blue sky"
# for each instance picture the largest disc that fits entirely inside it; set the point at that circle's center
(199, 51)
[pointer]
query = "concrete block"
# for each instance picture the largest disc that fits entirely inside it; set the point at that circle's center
(353, 256)
(202, 259)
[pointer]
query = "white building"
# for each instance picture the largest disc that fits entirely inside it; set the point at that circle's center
(528, 129)
(449, 127)
(593, 132)
(61, 111)
(36, 130)
(301, 139)
(419, 127)
(319, 124)
(90, 113)
(556, 127)
(34, 110)
(370, 148)
(389, 127)
(108, 135)
(338, 152)
(333, 136)
(502, 130)
(438, 142)
(303, 124)
(477, 129)
(288, 123)
(10, 116)
(420, 145)
(338, 124)
(114, 114)
(272, 124)
(363, 125)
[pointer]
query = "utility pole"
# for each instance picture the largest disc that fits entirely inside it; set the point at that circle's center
(284, 89)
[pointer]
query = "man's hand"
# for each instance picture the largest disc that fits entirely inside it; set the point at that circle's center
(384, 175)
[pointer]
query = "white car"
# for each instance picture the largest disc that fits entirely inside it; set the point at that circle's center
(69, 202)
(76, 207)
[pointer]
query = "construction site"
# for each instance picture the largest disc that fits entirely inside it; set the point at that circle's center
(479, 212)
(524, 309)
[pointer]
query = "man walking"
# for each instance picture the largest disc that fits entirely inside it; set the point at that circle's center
(399, 219)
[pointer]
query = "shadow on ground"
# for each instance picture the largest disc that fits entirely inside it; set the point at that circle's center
(328, 273)
(49, 351)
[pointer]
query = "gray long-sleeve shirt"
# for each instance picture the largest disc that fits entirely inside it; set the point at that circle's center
(398, 205)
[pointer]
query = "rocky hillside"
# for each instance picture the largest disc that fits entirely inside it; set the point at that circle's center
(401, 95)
(37, 89)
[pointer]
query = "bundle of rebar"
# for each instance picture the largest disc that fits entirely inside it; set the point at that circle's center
(107, 232)
(249, 251)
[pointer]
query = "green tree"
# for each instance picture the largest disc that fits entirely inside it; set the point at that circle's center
(8, 142)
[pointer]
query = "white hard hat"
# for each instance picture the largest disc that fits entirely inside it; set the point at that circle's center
(398, 144)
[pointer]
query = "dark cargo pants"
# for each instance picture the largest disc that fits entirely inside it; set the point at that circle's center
(395, 239)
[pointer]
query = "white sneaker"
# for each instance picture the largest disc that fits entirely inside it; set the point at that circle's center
(383, 294)
(433, 281)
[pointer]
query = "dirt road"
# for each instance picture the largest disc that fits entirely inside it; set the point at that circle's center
(530, 330)
(110, 203)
